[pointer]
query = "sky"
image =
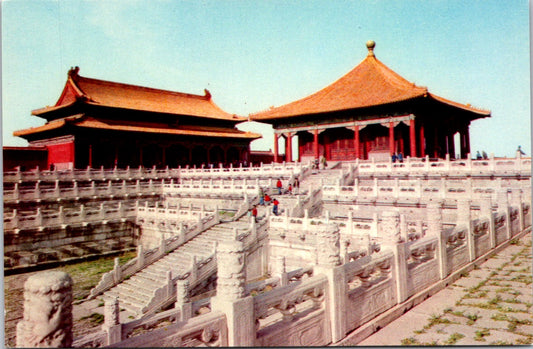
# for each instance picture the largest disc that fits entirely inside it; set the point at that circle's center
(255, 54)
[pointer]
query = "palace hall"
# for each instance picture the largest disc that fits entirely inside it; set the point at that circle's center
(372, 113)
(101, 123)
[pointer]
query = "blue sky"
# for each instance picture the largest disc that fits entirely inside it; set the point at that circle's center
(255, 54)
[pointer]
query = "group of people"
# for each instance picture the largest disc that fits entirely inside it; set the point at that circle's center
(397, 157)
(265, 199)
(483, 155)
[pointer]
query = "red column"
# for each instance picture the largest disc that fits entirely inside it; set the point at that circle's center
(90, 155)
(115, 162)
(436, 144)
(288, 146)
(356, 142)
(422, 141)
(412, 138)
(276, 156)
(467, 140)
(315, 144)
(451, 145)
(391, 138)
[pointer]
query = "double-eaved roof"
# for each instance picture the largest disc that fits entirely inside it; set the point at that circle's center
(80, 92)
(369, 84)
(79, 89)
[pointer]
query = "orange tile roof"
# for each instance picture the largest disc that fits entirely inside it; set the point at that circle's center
(371, 83)
(89, 122)
(118, 95)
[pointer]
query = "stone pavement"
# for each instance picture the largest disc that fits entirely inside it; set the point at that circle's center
(491, 305)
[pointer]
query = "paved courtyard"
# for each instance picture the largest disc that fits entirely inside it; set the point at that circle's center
(491, 305)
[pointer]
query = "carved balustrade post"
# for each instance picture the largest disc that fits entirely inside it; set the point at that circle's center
(112, 326)
(117, 271)
(393, 240)
(503, 206)
(391, 227)
(485, 208)
(47, 317)
(39, 218)
(37, 191)
(516, 202)
(464, 221)
(279, 269)
(404, 229)
(231, 297)
(61, 215)
(329, 264)
(434, 219)
(183, 302)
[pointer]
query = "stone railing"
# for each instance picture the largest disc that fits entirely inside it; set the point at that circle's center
(166, 218)
(200, 269)
(17, 221)
(210, 189)
(145, 258)
(417, 189)
(350, 227)
(417, 166)
(313, 198)
(204, 330)
(300, 304)
(330, 302)
(40, 192)
(89, 174)
(165, 295)
(273, 170)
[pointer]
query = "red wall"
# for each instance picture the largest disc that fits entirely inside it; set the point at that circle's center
(61, 154)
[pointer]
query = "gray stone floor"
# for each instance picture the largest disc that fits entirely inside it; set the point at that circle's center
(491, 305)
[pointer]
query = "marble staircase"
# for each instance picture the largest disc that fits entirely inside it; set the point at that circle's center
(135, 293)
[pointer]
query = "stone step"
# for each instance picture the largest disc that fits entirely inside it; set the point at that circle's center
(138, 285)
(174, 268)
(155, 274)
(131, 292)
(124, 304)
(148, 278)
(124, 297)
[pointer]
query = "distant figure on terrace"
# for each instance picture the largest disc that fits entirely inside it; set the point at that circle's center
(275, 208)
(394, 157)
(296, 185)
(484, 154)
(267, 199)
(478, 155)
(279, 186)
(519, 150)
(254, 213)
(324, 162)
(400, 157)
(261, 197)
(289, 189)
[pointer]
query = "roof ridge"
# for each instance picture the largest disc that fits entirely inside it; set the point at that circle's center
(206, 97)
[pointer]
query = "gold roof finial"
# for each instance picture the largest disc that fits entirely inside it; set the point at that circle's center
(370, 44)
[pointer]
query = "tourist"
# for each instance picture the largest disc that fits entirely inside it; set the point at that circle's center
(519, 150)
(478, 156)
(296, 185)
(485, 156)
(254, 213)
(324, 162)
(394, 157)
(400, 157)
(279, 186)
(275, 208)
(261, 197)
(267, 199)
(289, 189)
